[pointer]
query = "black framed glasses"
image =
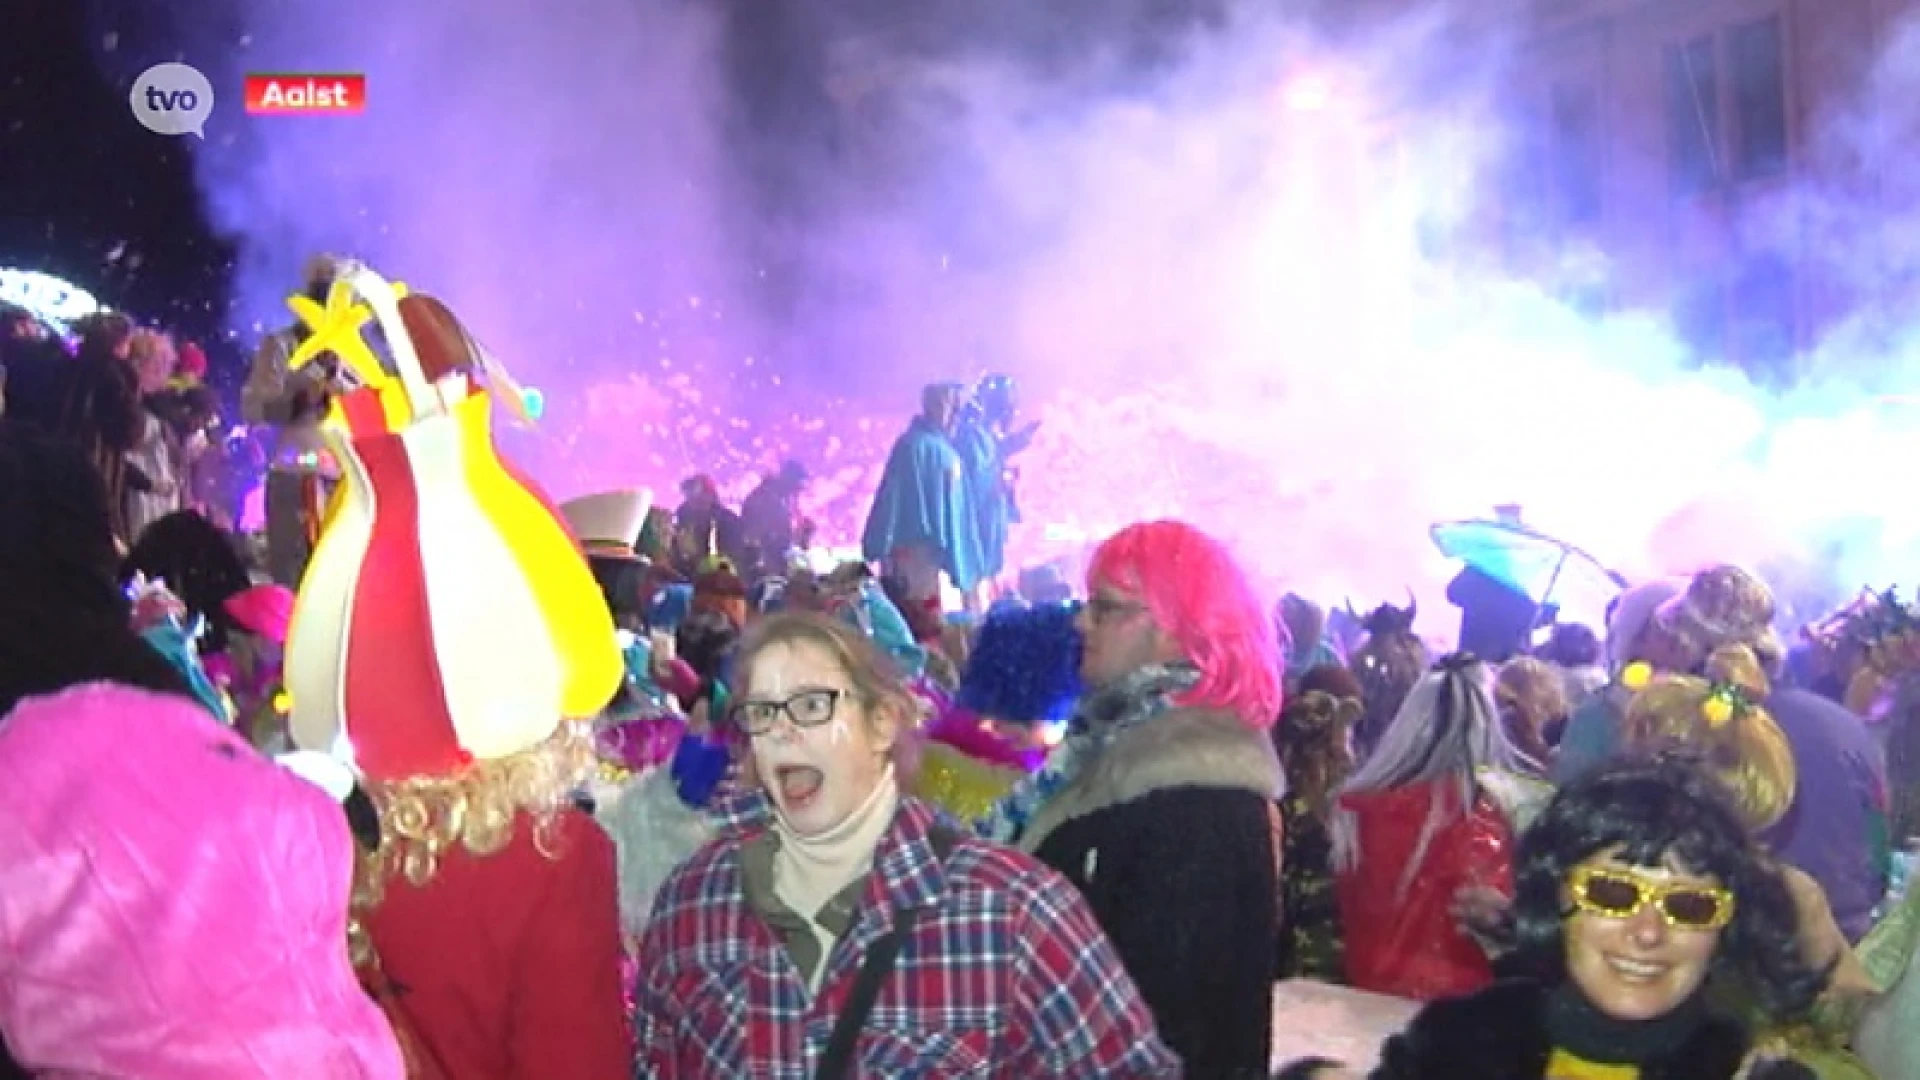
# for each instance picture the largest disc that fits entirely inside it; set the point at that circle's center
(806, 709)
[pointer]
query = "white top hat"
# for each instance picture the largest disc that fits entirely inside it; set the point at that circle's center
(607, 524)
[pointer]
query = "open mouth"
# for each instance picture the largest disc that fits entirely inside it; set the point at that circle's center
(798, 785)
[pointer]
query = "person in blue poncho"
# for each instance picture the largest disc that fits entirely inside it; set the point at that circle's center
(988, 443)
(924, 519)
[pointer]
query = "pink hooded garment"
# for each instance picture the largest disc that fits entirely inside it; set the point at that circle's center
(173, 905)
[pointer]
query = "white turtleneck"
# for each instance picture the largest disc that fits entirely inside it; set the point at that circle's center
(809, 871)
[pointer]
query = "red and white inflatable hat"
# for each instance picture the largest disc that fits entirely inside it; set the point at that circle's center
(448, 615)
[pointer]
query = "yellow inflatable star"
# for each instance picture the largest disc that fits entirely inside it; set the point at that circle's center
(335, 328)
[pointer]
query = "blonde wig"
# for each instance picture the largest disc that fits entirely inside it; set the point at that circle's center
(476, 809)
(153, 356)
(1720, 718)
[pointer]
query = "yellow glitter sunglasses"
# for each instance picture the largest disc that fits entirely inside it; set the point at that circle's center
(1621, 894)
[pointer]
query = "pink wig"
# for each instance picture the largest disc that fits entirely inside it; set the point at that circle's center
(173, 905)
(1196, 593)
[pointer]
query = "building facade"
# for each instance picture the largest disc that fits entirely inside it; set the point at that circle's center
(1703, 151)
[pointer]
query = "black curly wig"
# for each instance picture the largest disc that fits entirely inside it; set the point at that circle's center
(200, 566)
(1653, 808)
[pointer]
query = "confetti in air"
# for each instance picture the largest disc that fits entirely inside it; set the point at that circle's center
(1242, 286)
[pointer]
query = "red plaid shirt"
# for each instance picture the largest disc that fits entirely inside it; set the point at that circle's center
(1005, 973)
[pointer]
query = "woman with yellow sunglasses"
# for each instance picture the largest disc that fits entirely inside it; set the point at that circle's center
(1638, 886)
(1722, 717)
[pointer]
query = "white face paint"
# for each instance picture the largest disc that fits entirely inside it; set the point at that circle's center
(837, 731)
(816, 776)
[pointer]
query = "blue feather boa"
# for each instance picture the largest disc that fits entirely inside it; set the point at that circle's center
(1101, 717)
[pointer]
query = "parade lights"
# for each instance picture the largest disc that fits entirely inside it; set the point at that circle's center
(55, 302)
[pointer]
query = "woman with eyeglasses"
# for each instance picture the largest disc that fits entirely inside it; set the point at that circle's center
(837, 927)
(1637, 888)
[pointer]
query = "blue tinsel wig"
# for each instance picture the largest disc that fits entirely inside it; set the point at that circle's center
(1025, 666)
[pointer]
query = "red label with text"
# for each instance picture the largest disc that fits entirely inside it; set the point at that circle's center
(275, 94)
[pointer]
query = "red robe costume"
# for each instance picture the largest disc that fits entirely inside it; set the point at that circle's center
(501, 975)
(1400, 934)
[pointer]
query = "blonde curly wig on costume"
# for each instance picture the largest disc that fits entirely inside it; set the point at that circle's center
(1721, 718)
(477, 808)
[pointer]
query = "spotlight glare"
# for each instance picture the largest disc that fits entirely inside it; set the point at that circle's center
(1307, 93)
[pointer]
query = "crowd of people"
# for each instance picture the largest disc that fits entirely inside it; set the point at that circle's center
(136, 399)
(469, 783)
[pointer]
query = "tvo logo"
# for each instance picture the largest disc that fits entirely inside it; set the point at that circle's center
(172, 99)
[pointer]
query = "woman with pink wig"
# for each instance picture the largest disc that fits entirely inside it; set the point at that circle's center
(1159, 805)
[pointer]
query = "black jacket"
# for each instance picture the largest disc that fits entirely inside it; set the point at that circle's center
(1170, 836)
(1500, 1033)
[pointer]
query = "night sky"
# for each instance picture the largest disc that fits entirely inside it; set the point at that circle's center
(1086, 93)
(91, 196)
